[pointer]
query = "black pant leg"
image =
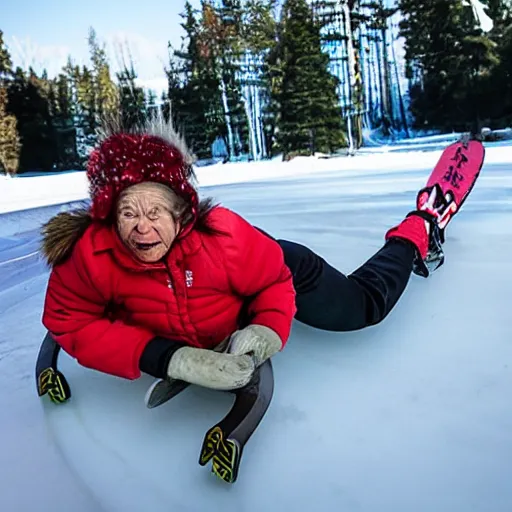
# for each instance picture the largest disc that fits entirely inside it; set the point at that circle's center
(329, 300)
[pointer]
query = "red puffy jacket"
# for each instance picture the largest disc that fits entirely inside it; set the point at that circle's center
(103, 306)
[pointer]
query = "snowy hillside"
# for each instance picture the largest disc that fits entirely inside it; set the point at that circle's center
(410, 415)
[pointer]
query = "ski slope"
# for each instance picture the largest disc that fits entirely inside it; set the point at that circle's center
(410, 415)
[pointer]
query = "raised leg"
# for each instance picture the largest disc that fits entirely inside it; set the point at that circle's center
(330, 300)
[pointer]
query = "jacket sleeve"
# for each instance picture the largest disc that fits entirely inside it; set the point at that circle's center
(257, 271)
(74, 313)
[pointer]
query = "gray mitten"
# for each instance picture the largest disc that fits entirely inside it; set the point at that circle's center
(210, 369)
(258, 340)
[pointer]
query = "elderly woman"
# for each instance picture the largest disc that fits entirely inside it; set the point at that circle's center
(149, 279)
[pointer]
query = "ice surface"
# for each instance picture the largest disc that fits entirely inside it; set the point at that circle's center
(412, 414)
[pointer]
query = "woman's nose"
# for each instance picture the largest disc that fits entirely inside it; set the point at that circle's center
(144, 225)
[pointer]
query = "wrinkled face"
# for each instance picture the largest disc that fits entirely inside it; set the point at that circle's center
(144, 221)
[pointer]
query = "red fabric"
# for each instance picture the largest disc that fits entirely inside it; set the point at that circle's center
(123, 160)
(103, 306)
(413, 229)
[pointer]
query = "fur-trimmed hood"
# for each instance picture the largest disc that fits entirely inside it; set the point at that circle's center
(61, 233)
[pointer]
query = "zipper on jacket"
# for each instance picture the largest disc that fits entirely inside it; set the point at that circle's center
(169, 277)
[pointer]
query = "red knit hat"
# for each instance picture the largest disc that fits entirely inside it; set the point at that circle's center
(123, 159)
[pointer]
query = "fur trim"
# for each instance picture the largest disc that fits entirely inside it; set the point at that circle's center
(61, 233)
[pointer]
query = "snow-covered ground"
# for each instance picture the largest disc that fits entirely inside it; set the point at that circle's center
(410, 415)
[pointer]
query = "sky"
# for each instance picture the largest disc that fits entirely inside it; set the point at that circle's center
(43, 34)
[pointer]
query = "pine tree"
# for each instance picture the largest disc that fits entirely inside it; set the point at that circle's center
(28, 102)
(230, 46)
(219, 41)
(310, 118)
(194, 97)
(499, 92)
(132, 97)
(62, 119)
(259, 30)
(105, 90)
(502, 80)
(87, 100)
(5, 59)
(78, 95)
(78, 110)
(259, 38)
(151, 103)
(9, 139)
(64, 97)
(448, 59)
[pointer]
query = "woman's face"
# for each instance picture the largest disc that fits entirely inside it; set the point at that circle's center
(144, 221)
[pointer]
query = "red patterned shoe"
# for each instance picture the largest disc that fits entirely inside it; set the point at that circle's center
(447, 188)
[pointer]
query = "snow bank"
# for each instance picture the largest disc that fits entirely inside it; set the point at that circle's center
(21, 193)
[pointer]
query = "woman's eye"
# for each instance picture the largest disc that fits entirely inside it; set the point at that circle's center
(128, 215)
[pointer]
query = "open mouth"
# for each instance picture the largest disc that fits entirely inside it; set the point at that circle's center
(146, 246)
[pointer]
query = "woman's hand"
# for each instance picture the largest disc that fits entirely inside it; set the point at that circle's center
(259, 341)
(211, 369)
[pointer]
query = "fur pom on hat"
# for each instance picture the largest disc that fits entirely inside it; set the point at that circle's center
(153, 152)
